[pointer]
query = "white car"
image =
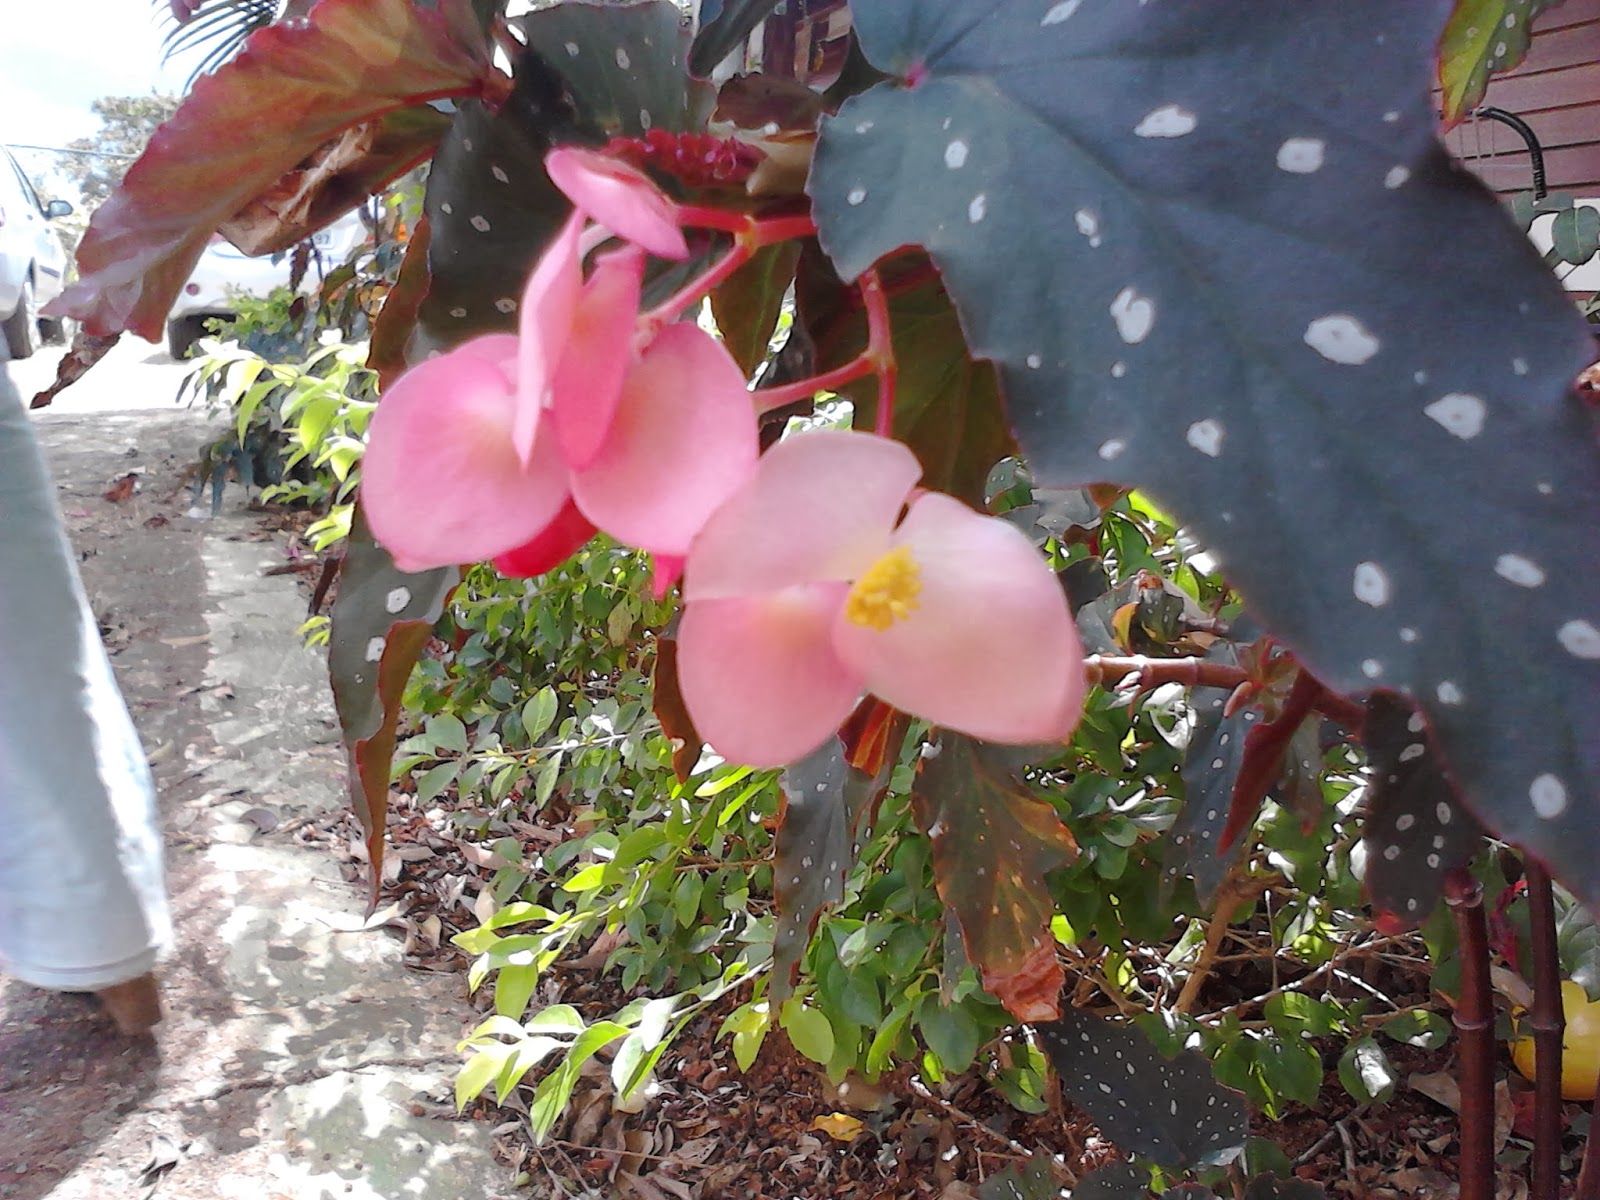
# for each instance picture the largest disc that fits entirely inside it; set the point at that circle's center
(33, 263)
(224, 273)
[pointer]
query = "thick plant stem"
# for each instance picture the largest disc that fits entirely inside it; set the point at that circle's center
(880, 348)
(1548, 1022)
(1474, 1021)
(878, 358)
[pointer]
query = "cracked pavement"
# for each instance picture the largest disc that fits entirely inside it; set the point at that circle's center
(299, 1059)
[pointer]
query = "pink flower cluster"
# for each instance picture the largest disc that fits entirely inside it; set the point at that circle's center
(812, 575)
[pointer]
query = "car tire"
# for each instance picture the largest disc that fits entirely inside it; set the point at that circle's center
(57, 331)
(182, 334)
(21, 328)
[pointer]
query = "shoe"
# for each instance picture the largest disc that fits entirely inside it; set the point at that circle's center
(135, 1006)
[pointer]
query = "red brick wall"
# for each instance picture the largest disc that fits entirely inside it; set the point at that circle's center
(1557, 91)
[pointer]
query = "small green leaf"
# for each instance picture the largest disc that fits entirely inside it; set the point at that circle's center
(809, 1030)
(1424, 1030)
(558, 1018)
(479, 1072)
(446, 732)
(434, 780)
(539, 713)
(587, 880)
(1366, 1073)
(513, 988)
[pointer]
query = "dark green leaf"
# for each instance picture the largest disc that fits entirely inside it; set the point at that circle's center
(1171, 1111)
(1119, 1181)
(1210, 768)
(1416, 833)
(1424, 1030)
(1034, 1182)
(725, 26)
(993, 843)
(380, 624)
(1166, 279)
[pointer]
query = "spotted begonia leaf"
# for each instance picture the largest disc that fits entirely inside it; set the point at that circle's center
(1119, 1181)
(1157, 250)
(254, 120)
(1210, 767)
(1483, 36)
(1171, 1111)
(947, 407)
(725, 24)
(491, 206)
(1032, 1181)
(993, 843)
(1416, 833)
(825, 802)
(380, 624)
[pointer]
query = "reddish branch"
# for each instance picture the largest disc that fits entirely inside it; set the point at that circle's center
(1109, 671)
(1474, 1022)
(1548, 1022)
(877, 359)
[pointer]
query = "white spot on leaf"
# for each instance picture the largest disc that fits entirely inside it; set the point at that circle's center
(1060, 12)
(1397, 178)
(1549, 796)
(1207, 437)
(1168, 121)
(1460, 414)
(1581, 639)
(1341, 338)
(955, 155)
(1302, 155)
(1372, 585)
(1134, 314)
(397, 599)
(1523, 572)
(978, 209)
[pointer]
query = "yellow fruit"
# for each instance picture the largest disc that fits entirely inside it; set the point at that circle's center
(1580, 1047)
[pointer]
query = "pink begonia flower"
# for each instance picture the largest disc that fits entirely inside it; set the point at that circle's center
(516, 448)
(808, 589)
(620, 197)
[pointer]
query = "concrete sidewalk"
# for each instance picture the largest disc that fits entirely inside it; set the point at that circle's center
(300, 1060)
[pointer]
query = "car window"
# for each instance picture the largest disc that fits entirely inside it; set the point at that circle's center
(10, 184)
(28, 194)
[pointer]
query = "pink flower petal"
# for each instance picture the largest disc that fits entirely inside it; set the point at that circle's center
(599, 351)
(821, 506)
(500, 350)
(683, 440)
(441, 481)
(568, 532)
(988, 646)
(620, 197)
(548, 304)
(759, 675)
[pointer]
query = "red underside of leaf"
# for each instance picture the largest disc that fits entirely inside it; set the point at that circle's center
(295, 86)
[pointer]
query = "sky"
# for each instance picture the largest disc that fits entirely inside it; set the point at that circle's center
(57, 56)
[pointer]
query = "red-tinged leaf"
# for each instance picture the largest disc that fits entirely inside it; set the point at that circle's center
(392, 330)
(1264, 749)
(1483, 37)
(340, 174)
(670, 709)
(293, 88)
(87, 349)
(947, 405)
(873, 735)
(747, 307)
(993, 843)
(380, 625)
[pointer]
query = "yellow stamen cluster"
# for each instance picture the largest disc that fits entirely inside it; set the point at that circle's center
(887, 592)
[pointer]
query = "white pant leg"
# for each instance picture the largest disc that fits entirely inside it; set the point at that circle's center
(82, 898)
